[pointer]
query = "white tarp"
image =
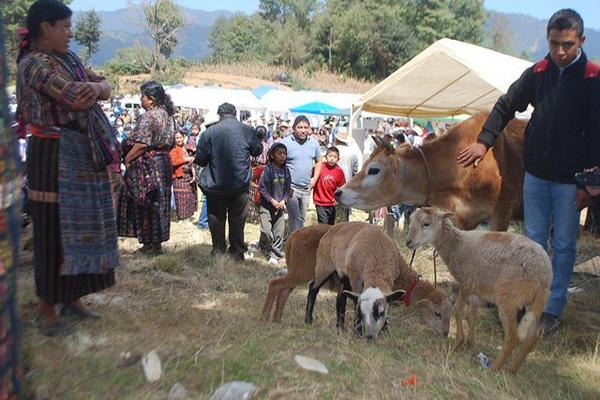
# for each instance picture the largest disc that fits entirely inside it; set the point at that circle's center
(283, 101)
(209, 98)
(448, 78)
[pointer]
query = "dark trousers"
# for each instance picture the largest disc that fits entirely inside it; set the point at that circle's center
(234, 208)
(344, 213)
(272, 229)
(326, 214)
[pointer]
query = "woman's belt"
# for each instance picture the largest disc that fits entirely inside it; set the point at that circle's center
(43, 132)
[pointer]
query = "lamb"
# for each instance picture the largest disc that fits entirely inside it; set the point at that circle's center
(300, 257)
(301, 248)
(506, 269)
(364, 259)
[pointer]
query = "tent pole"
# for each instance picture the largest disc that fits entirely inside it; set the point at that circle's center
(354, 113)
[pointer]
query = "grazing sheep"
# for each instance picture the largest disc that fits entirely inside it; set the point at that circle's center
(301, 249)
(365, 259)
(508, 270)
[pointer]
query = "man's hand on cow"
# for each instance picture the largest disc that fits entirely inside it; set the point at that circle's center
(582, 199)
(472, 154)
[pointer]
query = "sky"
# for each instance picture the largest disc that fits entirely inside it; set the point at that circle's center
(543, 9)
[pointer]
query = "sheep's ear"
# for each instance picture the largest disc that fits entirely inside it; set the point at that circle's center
(352, 295)
(448, 214)
(422, 302)
(396, 296)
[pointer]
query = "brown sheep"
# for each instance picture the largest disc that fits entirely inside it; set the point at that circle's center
(301, 248)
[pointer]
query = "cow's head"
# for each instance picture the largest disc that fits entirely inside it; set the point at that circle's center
(390, 176)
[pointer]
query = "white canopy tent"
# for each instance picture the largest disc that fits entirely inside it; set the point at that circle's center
(209, 98)
(283, 101)
(446, 79)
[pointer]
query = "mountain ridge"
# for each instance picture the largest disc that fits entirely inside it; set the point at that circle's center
(125, 28)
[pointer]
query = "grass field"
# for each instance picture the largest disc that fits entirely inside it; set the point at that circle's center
(201, 315)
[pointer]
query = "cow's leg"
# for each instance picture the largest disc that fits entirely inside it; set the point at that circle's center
(502, 212)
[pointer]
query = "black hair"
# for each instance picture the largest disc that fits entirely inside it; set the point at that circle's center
(245, 115)
(41, 11)
(157, 92)
(261, 132)
(333, 149)
(276, 146)
(226, 109)
(300, 118)
(399, 136)
(566, 19)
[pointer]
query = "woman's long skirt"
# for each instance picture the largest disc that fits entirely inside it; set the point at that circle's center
(42, 175)
(186, 196)
(151, 223)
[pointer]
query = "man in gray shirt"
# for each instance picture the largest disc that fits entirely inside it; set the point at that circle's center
(303, 154)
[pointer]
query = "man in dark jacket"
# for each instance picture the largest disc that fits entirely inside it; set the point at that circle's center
(225, 150)
(561, 138)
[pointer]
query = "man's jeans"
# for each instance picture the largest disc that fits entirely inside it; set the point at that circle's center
(203, 219)
(551, 205)
(296, 208)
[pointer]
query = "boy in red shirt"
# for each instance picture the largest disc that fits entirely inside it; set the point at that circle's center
(330, 180)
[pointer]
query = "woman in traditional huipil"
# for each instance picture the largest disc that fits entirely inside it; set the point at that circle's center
(184, 180)
(71, 144)
(145, 201)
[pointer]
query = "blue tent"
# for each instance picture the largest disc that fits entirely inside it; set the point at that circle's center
(316, 107)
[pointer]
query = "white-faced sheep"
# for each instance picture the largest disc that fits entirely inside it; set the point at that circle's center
(301, 249)
(365, 260)
(506, 269)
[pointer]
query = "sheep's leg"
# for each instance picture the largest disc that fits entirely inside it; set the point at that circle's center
(281, 300)
(458, 311)
(472, 319)
(272, 293)
(509, 323)
(340, 304)
(533, 334)
(357, 321)
(313, 291)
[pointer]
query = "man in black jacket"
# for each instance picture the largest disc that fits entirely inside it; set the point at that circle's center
(561, 138)
(225, 150)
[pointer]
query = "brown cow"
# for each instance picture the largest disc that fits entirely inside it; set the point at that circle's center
(493, 190)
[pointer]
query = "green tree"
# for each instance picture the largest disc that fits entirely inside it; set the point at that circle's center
(290, 47)
(87, 33)
(282, 10)
(499, 33)
(469, 19)
(241, 38)
(367, 38)
(163, 18)
(455, 19)
(133, 60)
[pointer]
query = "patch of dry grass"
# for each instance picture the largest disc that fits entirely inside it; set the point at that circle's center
(249, 76)
(201, 315)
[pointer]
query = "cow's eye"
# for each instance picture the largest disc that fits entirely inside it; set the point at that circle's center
(373, 171)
